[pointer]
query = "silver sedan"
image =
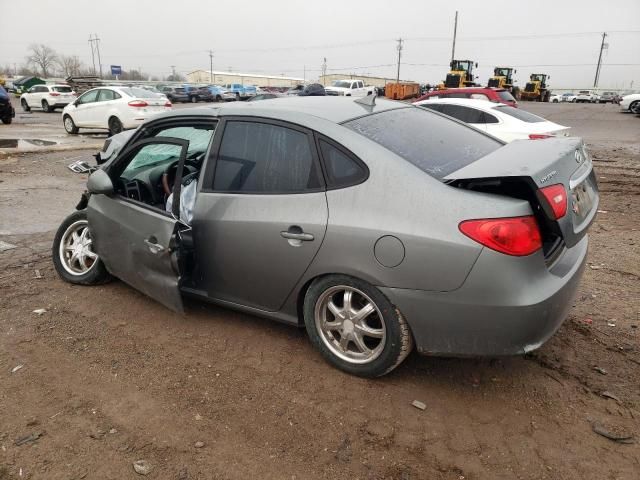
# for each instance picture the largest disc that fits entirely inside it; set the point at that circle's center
(377, 225)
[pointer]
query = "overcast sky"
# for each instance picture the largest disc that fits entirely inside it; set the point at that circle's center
(560, 37)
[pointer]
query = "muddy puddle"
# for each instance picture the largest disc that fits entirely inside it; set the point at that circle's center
(25, 143)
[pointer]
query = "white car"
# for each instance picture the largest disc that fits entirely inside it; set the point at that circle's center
(587, 96)
(569, 97)
(501, 121)
(630, 103)
(350, 88)
(555, 98)
(113, 108)
(47, 97)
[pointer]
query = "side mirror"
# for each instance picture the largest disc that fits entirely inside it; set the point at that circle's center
(476, 64)
(100, 183)
(515, 71)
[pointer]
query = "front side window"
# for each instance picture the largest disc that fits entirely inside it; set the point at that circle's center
(106, 95)
(264, 158)
(448, 147)
(89, 97)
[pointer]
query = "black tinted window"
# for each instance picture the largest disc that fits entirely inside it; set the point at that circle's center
(342, 170)
(488, 118)
(519, 114)
(264, 158)
(431, 142)
(464, 114)
(504, 95)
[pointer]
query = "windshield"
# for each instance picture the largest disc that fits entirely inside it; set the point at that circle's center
(432, 142)
(341, 84)
(138, 92)
(62, 89)
(519, 114)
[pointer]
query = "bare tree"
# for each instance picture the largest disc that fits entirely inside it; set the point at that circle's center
(42, 57)
(70, 65)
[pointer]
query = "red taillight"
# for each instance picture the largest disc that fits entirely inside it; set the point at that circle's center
(518, 236)
(54, 94)
(168, 104)
(138, 103)
(539, 136)
(556, 196)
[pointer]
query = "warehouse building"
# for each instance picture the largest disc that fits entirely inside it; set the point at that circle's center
(223, 78)
(375, 81)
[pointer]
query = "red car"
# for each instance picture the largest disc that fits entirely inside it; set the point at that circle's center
(497, 95)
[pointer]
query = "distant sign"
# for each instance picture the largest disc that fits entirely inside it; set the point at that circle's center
(116, 70)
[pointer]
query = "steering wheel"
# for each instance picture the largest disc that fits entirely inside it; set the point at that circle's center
(169, 173)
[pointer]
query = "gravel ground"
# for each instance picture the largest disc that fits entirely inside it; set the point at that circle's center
(110, 377)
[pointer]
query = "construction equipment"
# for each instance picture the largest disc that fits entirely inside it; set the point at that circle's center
(460, 75)
(536, 89)
(503, 78)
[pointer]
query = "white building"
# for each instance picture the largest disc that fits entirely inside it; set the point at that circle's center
(223, 78)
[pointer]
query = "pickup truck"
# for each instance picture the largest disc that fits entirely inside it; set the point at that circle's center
(350, 88)
(242, 92)
(587, 96)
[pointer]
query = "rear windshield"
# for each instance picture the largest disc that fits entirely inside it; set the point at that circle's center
(585, 92)
(432, 142)
(138, 92)
(62, 89)
(519, 114)
(504, 95)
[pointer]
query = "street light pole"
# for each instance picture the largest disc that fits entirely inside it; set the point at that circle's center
(211, 66)
(399, 47)
(602, 47)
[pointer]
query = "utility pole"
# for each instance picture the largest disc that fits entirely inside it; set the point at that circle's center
(94, 42)
(602, 47)
(173, 74)
(211, 66)
(455, 33)
(399, 47)
(324, 71)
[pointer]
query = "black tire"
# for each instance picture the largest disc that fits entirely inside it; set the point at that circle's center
(115, 126)
(7, 120)
(634, 107)
(237, 97)
(25, 105)
(218, 98)
(193, 99)
(573, 101)
(398, 341)
(46, 107)
(69, 125)
(96, 274)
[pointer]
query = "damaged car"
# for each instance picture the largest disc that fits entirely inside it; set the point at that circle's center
(343, 217)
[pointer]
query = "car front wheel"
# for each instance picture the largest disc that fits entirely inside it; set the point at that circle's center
(635, 107)
(69, 125)
(45, 106)
(355, 327)
(74, 258)
(25, 105)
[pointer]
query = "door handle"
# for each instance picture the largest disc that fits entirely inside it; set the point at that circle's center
(154, 247)
(305, 237)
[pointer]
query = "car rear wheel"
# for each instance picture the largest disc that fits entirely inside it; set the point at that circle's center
(635, 107)
(69, 125)
(7, 120)
(115, 126)
(46, 107)
(25, 105)
(355, 327)
(194, 99)
(218, 98)
(74, 258)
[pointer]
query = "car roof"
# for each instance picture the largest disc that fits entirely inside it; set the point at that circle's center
(333, 109)
(467, 102)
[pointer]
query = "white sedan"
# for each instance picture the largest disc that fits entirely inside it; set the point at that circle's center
(47, 97)
(113, 108)
(630, 103)
(502, 121)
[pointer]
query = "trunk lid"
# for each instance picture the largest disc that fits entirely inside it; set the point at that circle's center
(538, 164)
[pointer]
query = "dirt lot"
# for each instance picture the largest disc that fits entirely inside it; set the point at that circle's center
(109, 377)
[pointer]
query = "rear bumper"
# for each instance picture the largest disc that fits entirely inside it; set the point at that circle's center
(507, 305)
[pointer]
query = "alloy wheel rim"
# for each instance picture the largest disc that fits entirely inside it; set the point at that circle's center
(350, 324)
(76, 249)
(68, 124)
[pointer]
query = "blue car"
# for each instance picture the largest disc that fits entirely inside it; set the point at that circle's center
(241, 92)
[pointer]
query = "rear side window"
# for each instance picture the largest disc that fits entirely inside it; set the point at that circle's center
(519, 114)
(464, 114)
(265, 158)
(431, 142)
(432, 106)
(341, 168)
(506, 96)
